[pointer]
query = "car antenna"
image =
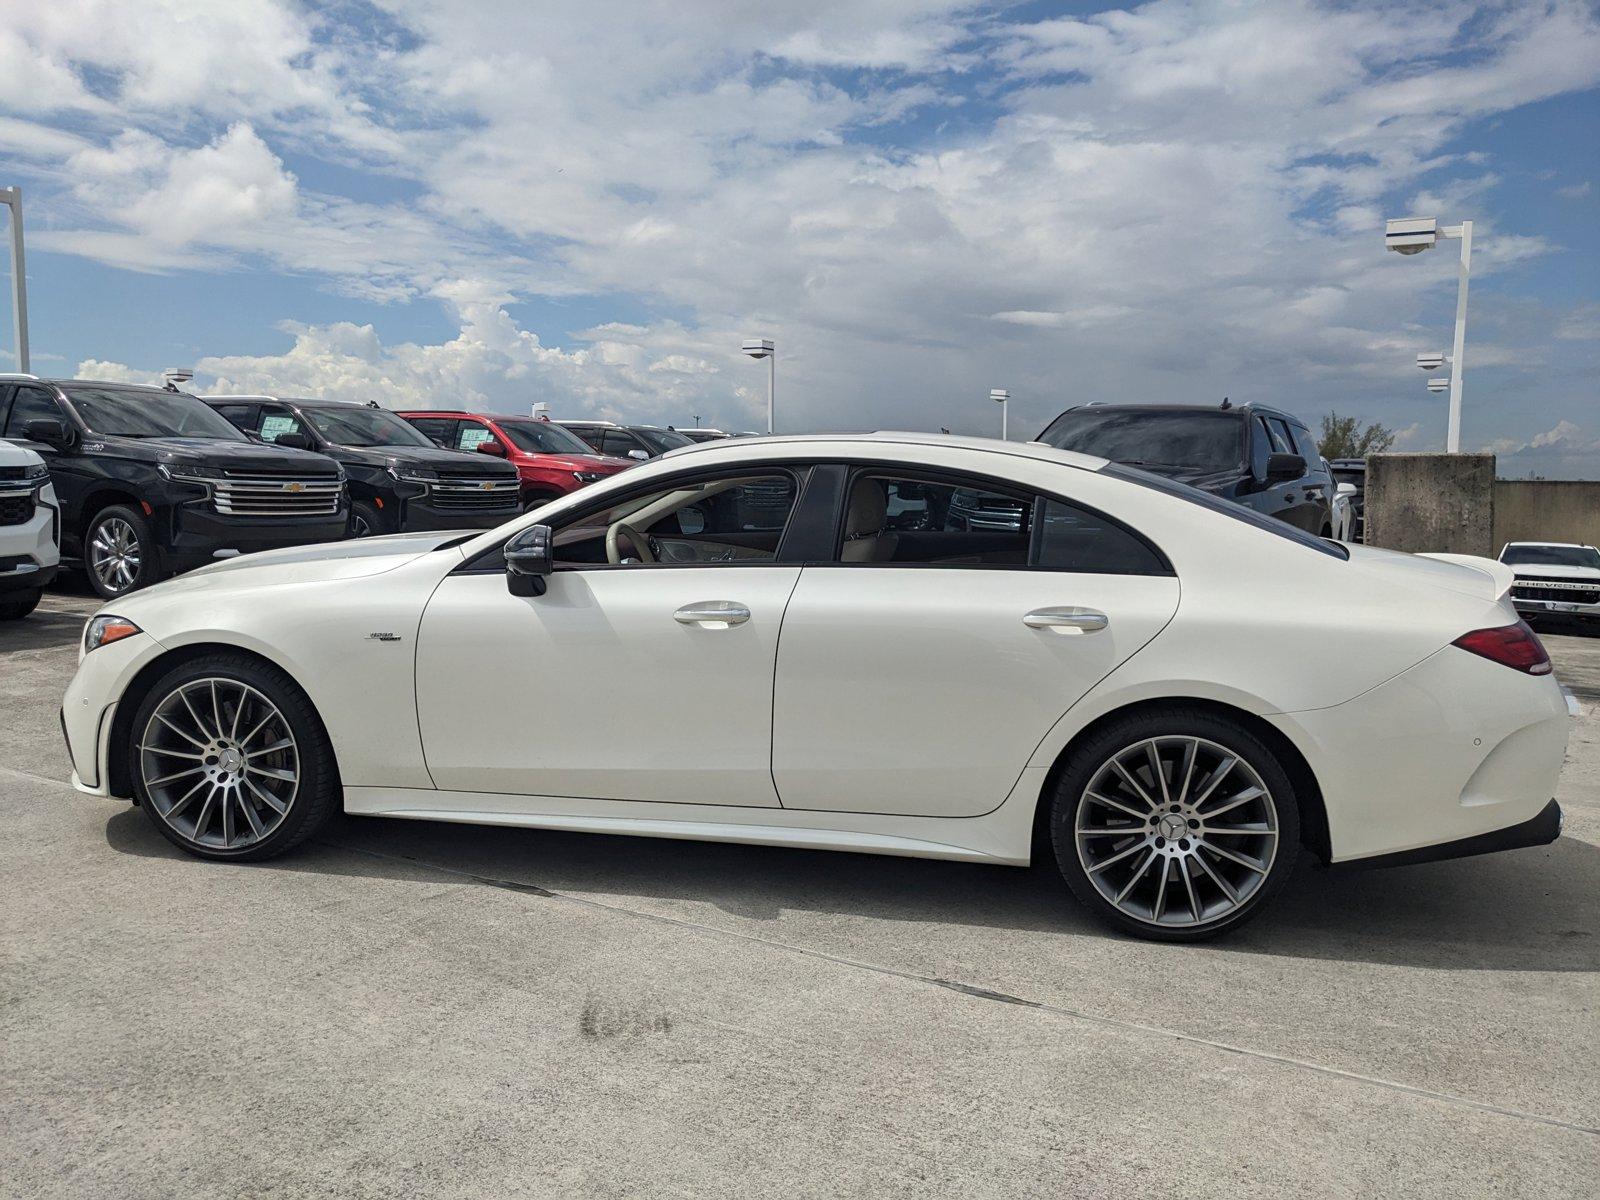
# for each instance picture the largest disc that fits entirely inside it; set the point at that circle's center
(373, 404)
(1226, 404)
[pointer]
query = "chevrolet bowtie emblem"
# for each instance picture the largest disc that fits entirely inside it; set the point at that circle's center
(294, 487)
(488, 486)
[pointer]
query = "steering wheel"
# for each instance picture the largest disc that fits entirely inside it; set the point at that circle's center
(643, 549)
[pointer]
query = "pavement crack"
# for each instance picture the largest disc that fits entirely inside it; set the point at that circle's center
(989, 995)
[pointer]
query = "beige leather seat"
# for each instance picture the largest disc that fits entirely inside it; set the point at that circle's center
(866, 534)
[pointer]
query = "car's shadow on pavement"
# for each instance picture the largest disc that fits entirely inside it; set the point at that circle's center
(1524, 910)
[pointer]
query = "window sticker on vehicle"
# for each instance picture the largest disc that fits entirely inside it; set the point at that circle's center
(273, 426)
(473, 436)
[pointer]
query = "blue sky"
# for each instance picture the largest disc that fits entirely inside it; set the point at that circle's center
(493, 203)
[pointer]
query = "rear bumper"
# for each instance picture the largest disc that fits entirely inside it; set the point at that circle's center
(1453, 750)
(1538, 830)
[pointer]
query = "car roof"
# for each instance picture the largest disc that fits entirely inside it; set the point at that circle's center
(1559, 545)
(1247, 406)
(99, 383)
(888, 437)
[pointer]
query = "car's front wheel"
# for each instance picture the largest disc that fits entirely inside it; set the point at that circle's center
(1175, 824)
(230, 760)
(119, 552)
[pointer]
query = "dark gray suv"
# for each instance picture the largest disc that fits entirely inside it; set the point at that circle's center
(1260, 457)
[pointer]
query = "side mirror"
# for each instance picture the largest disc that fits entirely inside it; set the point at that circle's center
(1285, 466)
(295, 441)
(492, 447)
(639, 455)
(529, 561)
(1347, 489)
(49, 431)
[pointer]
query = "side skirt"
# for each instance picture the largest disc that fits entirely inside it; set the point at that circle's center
(1003, 836)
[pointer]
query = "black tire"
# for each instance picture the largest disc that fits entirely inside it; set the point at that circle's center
(365, 520)
(535, 499)
(108, 524)
(16, 605)
(317, 794)
(1209, 909)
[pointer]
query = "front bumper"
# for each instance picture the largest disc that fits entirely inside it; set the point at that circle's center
(419, 516)
(25, 576)
(30, 550)
(198, 536)
(1554, 608)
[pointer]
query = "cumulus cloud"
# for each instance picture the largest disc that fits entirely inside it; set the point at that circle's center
(919, 199)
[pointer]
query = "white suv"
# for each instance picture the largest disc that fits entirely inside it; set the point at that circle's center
(30, 530)
(1554, 578)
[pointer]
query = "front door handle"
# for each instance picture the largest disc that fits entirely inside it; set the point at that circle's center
(712, 614)
(1067, 620)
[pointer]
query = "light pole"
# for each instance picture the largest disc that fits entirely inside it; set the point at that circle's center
(12, 199)
(1003, 398)
(1413, 235)
(763, 348)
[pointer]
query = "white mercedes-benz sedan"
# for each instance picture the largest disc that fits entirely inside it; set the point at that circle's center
(897, 644)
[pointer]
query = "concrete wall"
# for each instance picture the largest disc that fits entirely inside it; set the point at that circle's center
(1546, 510)
(1431, 502)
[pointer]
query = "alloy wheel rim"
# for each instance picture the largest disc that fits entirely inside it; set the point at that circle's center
(219, 763)
(114, 554)
(1176, 831)
(359, 527)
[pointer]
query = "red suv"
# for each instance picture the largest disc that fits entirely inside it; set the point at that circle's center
(551, 460)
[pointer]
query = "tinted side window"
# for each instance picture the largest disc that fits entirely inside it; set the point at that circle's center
(439, 430)
(242, 416)
(470, 435)
(31, 404)
(1278, 432)
(616, 441)
(1072, 539)
(1260, 447)
(591, 436)
(1306, 445)
(277, 421)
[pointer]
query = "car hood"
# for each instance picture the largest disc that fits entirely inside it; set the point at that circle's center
(1482, 578)
(584, 462)
(219, 452)
(17, 456)
(457, 462)
(1540, 571)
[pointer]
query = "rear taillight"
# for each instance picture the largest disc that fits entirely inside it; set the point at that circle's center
(1515, 646)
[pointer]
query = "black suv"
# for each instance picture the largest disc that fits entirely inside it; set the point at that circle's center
(1256, 456)
(152, 482)
(399, 480)
(637, 442)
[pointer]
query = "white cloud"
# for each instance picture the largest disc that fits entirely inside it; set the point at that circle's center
(1177, 201)
(1576, 191)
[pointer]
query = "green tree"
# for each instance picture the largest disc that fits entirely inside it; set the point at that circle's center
(1345, 437)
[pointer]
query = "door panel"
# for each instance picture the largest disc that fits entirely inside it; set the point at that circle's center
(597, 688)
(921, 691)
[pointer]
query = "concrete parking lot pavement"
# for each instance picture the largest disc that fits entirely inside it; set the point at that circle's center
(403, 1009)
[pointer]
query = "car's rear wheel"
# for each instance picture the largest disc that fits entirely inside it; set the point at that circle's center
(119, 552)
(1175, 824)
(230, 759)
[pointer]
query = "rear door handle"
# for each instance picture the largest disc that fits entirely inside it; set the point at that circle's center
(712, 614)
(1067, 619)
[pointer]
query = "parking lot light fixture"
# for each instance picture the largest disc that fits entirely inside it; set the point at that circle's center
(1003, 398)
(763, 348)
(1431, 361)
(1413, 235)
(1438, 385)
(11, 197)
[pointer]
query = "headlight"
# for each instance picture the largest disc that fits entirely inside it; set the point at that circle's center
(588, 476)
(102, 631)
(36, 474)
(414, 474)
(187, 474)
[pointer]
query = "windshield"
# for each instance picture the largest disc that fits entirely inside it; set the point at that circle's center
(1552, 556)
(1202, 440)
(135, 413)
(543, 437)
(662, 440)
(359, 426)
